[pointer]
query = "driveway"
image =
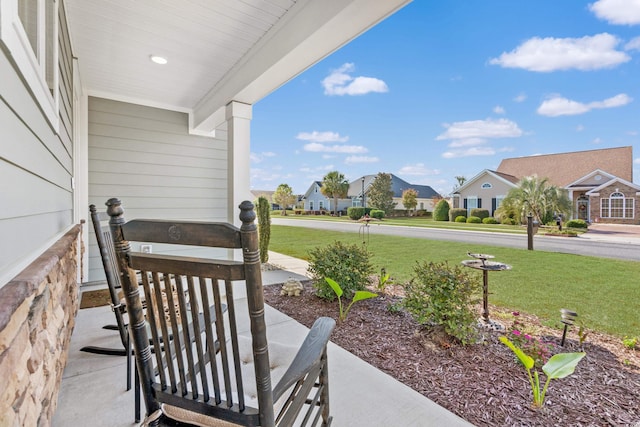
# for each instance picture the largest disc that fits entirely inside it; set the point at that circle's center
(614, 232)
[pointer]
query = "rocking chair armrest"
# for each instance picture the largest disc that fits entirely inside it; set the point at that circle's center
(308, 355)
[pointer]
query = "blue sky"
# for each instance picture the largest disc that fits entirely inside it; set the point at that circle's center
(448, 88)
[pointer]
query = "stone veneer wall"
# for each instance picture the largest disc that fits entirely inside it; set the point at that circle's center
(37, 316)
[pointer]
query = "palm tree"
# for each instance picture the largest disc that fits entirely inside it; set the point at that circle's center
(536, 196)
(335, 186)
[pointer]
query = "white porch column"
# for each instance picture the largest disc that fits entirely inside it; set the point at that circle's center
(238, 117)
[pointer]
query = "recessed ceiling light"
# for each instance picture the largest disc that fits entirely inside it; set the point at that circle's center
(158, 59)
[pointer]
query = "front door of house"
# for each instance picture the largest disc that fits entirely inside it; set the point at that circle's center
(582, 206)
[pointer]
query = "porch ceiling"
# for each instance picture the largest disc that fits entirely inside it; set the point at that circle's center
(217, 50)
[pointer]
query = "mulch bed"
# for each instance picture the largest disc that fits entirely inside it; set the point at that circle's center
(482, 383)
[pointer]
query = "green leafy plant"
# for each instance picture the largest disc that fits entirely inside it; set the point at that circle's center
(349, 265)
(630, 343)
(264, 227)
(461, 218)
(479, 212)
(559, 366)
(522, 337)
(576, 223)
(395, 307)
(358, 296)
(441, 211)
(473, 220)
(355, 212)
(454, 213)
(490, 220)
(439, 294)
(583, 333)
(383, 279)
(377, 213)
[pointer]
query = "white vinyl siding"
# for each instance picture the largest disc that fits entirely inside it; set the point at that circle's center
(36, 164)
(29, 31)
(145, 157)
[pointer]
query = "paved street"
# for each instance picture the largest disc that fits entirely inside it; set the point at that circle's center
(607, 241)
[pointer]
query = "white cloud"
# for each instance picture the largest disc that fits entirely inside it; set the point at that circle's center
(520, 98)
(596, 141)
(500, 128)
(637, 161)
(579, 128)
(316, 147)
(474, 151)
(623, 12)
(419, 169)
(632, 133)
(552, 54)
(469, 138)
(361, 159)
(559, 106)
(316, 169)
(316, 136)
(268, 175)
(498, 109)
(467, 142)
(633, 44)
(341, 82)
(259, 157)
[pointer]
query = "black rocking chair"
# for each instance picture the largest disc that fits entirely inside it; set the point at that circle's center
(190, 380)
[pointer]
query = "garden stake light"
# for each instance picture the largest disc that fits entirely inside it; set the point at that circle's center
(567, 317)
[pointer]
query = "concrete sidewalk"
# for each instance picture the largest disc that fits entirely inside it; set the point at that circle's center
(93, 386)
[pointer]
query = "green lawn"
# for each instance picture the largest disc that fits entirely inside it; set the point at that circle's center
(416, 221)
(605, 293)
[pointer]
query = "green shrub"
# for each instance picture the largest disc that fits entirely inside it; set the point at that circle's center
(575, 223)
(355, 212)
(377, 213)
(263, 210)
(456, 212)
(490, 220)
(441, 211)
(348, 265)
(479, 212)
(445, 296)
(508, 221)
(461, 218)
(474, 220)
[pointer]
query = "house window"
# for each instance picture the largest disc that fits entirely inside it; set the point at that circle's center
(29, 31)
(486, 186)
(321, 205)
(310, 205)
(472, 203)
(499, 200)
(617, 206)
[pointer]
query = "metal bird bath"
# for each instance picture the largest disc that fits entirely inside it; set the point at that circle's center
(480, 262)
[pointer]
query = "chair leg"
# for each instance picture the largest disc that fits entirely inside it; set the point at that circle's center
(128, 363)
(111, 327)
(324, 398)
(104, 350)
(137, 395)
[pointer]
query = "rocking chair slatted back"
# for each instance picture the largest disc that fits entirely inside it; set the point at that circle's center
(109, 262)
(199, 367)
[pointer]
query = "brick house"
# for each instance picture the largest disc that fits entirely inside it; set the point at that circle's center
(599, 183)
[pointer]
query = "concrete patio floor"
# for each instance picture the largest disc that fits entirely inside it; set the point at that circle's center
(93, 388)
